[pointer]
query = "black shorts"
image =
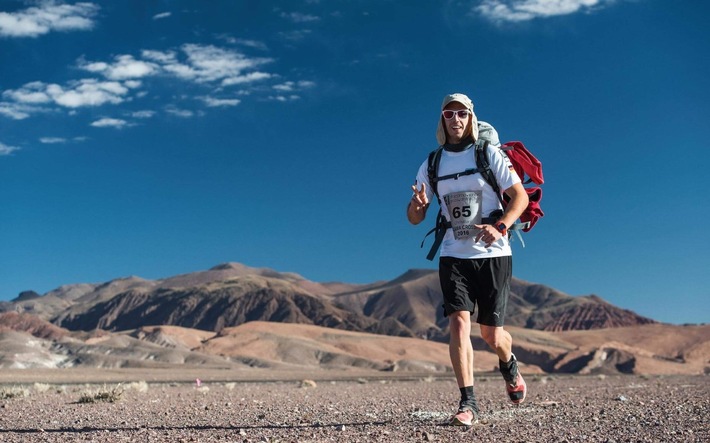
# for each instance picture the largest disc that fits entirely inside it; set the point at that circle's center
(485, 282)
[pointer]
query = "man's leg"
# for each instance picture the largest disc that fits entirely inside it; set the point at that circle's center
(502, 343)
(499, 340)
(460, 348)
(461, 353)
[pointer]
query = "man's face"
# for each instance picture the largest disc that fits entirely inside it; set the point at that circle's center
(456, 126)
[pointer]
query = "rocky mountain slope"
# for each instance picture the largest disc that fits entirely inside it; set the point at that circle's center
(231, 294)
(258, 349)
(214, 306)
(29, 342)
(414, 299)
(234, 316)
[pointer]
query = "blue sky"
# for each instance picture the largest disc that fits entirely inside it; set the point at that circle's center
(154, 138)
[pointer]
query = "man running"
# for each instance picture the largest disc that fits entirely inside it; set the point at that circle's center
(475, 264)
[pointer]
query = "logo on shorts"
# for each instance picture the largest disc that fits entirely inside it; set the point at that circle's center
(496, 314)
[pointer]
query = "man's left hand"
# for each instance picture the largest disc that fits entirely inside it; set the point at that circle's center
(488, 234)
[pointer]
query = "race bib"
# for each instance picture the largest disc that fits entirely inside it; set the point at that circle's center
(464, 212)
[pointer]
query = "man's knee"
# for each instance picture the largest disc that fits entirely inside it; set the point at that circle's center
(494, 336)
(460, 323)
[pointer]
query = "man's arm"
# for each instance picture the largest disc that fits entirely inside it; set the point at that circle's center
(418, 204)
(517, 204)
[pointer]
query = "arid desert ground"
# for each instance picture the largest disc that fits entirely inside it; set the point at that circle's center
(169, 406)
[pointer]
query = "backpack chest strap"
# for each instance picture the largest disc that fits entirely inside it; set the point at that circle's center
(458, 174)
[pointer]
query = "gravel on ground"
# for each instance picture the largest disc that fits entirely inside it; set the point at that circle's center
(611, 409)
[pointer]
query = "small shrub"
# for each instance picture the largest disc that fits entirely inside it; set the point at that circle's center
(105, 395)
(41, 387)
(138, 386)
(13, 392)
(308, 384)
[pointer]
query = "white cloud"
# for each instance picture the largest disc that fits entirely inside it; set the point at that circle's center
(10, 110)
(52, 140)
(61, 140)
(251, 44)
(217, 102)
(298, 17)
(184, 113)
(209, 63)
(288, 86)
(48, 16)
(85, 92)
(283, 98)
(126, 78)
(523, 10)
(18, 111)
(195, 63)
(133, 84)
(247, 78)
(143, 114)
(294, 86)
(125, 67)
(109, 123)
(7, 150)
(164, 57)
(295, 36)
(162, 15)
(303, 84)
(32, 93)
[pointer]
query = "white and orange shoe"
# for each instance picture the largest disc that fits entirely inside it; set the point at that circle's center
(464, 417)
(514, 383)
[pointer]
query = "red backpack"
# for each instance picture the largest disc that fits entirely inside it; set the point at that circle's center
(526, 165)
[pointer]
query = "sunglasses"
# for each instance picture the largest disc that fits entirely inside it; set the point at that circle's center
(463, 114)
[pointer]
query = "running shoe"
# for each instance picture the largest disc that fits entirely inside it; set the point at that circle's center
(517, 391)
(514, 384)
(464, 417)
(467, 414)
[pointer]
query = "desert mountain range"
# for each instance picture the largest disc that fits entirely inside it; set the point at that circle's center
(236, 317)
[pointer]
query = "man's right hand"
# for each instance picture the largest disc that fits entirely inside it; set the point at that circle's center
(416, 211)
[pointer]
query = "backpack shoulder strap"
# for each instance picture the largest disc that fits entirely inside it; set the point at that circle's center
(440, 227)
(433, 169)
(483, 163)
(485, 166)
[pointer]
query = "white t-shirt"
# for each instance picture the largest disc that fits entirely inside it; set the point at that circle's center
(455, 162)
